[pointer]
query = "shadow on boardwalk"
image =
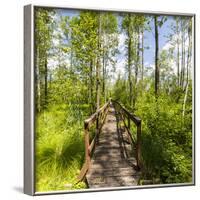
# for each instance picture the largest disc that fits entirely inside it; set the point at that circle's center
(113, 163)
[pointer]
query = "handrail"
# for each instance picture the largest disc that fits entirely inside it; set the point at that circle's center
(98, 117)
(130, 116)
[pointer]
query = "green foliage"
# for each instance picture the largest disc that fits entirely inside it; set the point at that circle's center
(166, 134)
(67, 88)
(84, 33)
(166, 139)
(59, 149)
(44, 24)
(119, 91)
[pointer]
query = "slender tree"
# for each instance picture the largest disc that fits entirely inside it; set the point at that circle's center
(127, 26)
(157, 74)
(44, 27)
(178, 50)
(189, 34)
(142, 56)
(109, 44)
(98, 64)
(158, 22)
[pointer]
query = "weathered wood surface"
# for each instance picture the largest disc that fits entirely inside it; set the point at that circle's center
(113, 163)
(97, 119)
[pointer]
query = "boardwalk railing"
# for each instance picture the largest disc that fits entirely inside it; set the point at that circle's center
(126, 115)
(97, 119)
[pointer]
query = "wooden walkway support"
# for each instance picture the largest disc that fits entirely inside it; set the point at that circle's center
(112, 158)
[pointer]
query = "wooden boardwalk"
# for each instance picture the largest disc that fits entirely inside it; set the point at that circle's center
(113, 163)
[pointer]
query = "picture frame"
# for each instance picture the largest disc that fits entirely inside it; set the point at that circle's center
(30, 104)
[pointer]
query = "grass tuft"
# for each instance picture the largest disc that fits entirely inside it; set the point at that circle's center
(59, 150)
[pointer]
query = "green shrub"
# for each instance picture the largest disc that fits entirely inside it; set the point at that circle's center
(166, 139)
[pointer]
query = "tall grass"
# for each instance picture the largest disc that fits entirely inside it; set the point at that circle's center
(59, 149)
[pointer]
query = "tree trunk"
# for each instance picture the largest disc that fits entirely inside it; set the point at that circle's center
(91, 87)
(188, 53)
(142, 60)
(129, 65)
(156, 56)
(185, 99)
(50, 81)
(71, 61)
(137, 65)
(188, 58)
(182, 54)
(98, 64)
(181, 78)
(97, 84)
(178, 53)
(105, 89)
(104, 76)
(178, 64)
(38, 80)
(137, 57)
(45, 83)
(183, 61)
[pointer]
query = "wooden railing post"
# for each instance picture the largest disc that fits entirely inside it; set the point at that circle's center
(97, 127)
(129, 125)
(138, 148)
(87, 143)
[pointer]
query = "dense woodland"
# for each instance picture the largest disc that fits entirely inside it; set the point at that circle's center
(76, 72)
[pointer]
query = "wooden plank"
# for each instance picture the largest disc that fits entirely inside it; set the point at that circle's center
(108, 157)
(107, 148)
(113, 150)
(114, 184)
(126, 160)
(113, 164)
(122, 171)
(106, 151)
(111, 140)
(115, 181)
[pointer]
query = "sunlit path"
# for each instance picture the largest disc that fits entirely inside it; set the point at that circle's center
(113, 161)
